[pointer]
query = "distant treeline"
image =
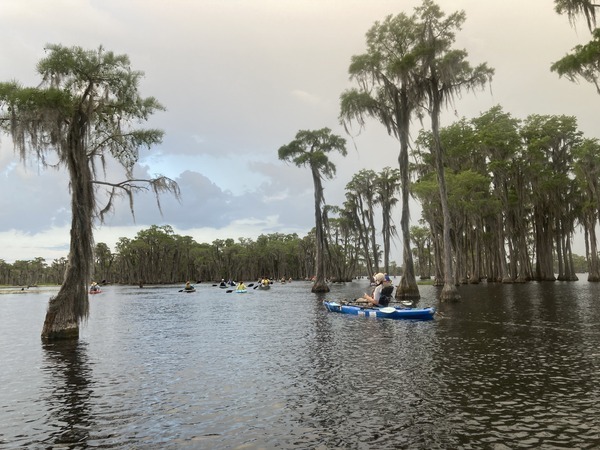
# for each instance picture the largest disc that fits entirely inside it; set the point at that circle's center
(159, 256)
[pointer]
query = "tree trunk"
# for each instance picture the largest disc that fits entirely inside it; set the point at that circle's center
(319, 285)
(449, 291)
(544, 267)
(408, 288)
(572, 276)
(559, 251)
(594, 264)
(71, 305)
(438, 253)
(476, 272)
(506, 278)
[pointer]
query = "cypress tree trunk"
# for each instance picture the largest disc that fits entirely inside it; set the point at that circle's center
(408, 288)
(449, 291)
(71, 305)
(476, 272)
(320, 284)
(506, 278)
(594, 263)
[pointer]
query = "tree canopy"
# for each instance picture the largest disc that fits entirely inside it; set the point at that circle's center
(85, 110)
(310, 148)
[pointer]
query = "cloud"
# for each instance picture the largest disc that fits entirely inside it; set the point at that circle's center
(238, 80)
(32, 199)
(305, 97)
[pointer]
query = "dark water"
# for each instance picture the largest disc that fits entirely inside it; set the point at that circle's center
(515, 366)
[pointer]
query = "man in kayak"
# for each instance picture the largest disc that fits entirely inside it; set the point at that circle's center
(188, 286)
(382, 293)
(241, 286)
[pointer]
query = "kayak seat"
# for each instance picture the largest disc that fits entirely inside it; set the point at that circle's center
(386, 295)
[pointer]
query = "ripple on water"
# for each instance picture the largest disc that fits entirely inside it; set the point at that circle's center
(508, 367)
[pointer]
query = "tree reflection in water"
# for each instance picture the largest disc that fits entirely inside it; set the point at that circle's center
(68, 370)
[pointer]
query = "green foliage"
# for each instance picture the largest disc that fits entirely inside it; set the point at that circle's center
(91, 97)
(576, 8)
(86, 109)
(583, 62)
(310, 148)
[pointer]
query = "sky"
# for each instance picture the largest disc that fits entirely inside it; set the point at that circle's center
(239, 79)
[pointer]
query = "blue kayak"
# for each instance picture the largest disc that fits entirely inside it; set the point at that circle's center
(389, 312)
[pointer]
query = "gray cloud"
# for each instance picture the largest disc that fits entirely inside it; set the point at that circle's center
(239, 79)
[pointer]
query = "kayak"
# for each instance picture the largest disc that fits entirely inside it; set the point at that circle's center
(389, 312)
(188, 290)
(95, 291)
(241, 291)
(264, 287)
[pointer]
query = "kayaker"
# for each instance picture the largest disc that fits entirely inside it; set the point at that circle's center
(222, 284)
(241, 286)
(376, 298)
(94, 287)
(188, 286)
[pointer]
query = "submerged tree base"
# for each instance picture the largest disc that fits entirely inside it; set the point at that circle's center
(449, 293)
(52, 331)
(62, 320)
(71, 333)
(407, 291)
(320, 287)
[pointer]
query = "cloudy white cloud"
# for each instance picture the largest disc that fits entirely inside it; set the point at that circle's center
(238, 80)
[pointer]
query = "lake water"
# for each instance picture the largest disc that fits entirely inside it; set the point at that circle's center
(511, 366)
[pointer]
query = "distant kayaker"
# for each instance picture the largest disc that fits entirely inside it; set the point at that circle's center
(188, 286)
(241, 286)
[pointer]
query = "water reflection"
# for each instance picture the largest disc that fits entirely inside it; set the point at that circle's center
(511, 366)
(518, 367)
(68, 372)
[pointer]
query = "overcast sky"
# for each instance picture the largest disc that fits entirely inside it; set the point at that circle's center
(238, 79)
